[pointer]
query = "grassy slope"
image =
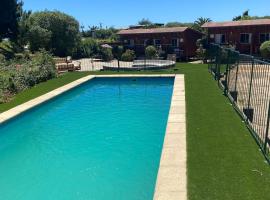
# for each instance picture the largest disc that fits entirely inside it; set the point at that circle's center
(224, 162)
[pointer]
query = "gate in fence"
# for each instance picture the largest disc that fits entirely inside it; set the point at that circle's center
(246, 82)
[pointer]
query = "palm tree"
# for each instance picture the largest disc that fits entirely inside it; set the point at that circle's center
(199, 22)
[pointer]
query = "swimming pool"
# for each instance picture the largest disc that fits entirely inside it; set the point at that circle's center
(99, 141)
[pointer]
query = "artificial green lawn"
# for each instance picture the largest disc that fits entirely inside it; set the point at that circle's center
(224, 162)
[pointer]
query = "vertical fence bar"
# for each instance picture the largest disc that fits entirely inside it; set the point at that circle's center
(267, 130)
(236, 74)
(227, 73)
(217, 70)
(250, 84)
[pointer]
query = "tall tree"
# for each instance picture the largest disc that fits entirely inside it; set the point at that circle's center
(145, 22)
(245, 16)
(199, 22)
(54, 31)
(9, 15)
(178, 24)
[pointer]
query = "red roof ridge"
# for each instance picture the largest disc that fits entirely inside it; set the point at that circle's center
(152, 30)
(252, 22)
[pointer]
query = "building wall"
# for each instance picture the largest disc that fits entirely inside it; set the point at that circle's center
(232, 37)
(186, 41)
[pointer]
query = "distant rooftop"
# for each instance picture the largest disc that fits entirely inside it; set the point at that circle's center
(254, 22)
(152, 30)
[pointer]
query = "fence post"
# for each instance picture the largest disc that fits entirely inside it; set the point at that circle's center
(217, 63)
(248, 111)
(250, 84)
(236, 75)
(144, 63)
(267, 130)
(227, 72)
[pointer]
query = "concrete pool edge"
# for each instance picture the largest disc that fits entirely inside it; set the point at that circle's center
(171, 182)
(13, 112)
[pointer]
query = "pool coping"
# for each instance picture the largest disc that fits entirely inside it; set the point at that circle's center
(171, 181)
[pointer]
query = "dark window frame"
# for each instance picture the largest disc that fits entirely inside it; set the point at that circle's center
(155, 43)
(174, 42)
(266, 37)
(245, 39)
(222, 38)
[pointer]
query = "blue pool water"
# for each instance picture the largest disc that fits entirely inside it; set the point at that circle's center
(100, 141)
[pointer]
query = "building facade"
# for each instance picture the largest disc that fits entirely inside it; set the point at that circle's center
(246, 36)
(176, 40)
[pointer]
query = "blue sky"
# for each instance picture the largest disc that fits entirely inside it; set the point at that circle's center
(121, 13)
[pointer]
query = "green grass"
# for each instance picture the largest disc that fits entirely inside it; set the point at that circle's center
(224, 162)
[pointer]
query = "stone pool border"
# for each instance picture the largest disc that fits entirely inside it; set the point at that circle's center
(172, 178)
(171, 182)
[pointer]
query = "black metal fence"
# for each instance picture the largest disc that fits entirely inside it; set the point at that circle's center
(89, 64)
(246, 82)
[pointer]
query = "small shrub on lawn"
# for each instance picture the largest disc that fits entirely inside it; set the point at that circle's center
(151, 52)
(87, 48)
(128, 56)
(106, 54)
(118, 51)
(265, 50)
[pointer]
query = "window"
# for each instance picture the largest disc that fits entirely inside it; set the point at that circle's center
(220, 38)
(175, 42)
(145, 42)
(130, 42)
(157, 42)
(264, 37)
(245, 38)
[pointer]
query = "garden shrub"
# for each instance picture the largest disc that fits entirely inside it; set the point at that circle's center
(265, 50)
(151, 52)
(88, 48)
(16, 76)
(6, 49)
(106, 54)
(118, 51)
(128, 56)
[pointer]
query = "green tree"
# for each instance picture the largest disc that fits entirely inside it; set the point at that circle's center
(199, 22)
(145, 22)
(178, 24)
(151, 52)
(9, 15)
(23, 28)
(60, 32)
(106, 54)
(89, 47)
(265, 50)
(245, 16)
(39, 38)
(128, 56)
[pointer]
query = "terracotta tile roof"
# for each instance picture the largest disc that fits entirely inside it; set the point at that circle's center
(152, 30)
(237, 23)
